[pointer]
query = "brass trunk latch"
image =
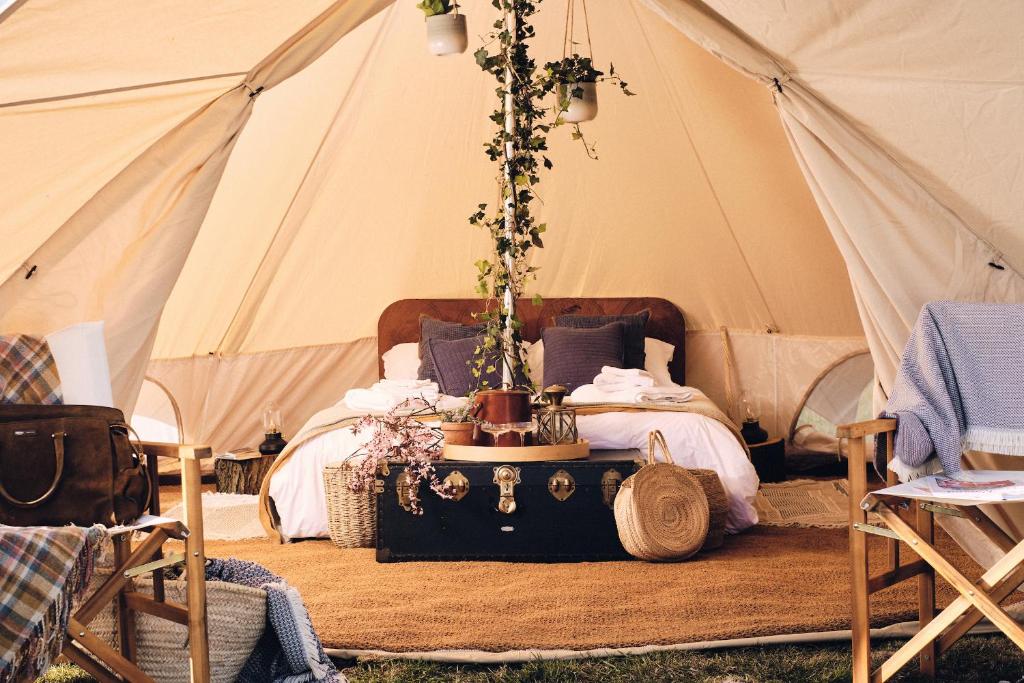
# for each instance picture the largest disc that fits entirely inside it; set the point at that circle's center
(457, 482)
(378, 484)
(561, 485)
(610, 482)
(403, 489)
(506, 477)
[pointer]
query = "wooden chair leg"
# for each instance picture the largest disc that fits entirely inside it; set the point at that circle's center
(125, 615)
(861, 618)
(926, 592)
(195, 564)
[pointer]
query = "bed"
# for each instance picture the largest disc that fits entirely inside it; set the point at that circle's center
(293, 503)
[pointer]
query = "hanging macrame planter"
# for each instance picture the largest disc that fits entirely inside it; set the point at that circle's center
(446, 27)
(577, 94)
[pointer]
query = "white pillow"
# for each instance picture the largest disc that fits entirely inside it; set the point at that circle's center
(659, 355)
(535, 359)
(81, 357)
(402, 361)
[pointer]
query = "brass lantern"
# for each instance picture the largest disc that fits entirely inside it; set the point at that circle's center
(556, 423)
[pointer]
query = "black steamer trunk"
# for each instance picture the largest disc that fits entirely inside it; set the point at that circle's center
(523, 512)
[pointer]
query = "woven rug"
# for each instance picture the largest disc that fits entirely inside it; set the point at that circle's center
(226, 516)
(806, 503)
(766, 581)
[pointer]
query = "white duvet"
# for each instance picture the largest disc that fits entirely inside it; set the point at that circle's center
(297, 488)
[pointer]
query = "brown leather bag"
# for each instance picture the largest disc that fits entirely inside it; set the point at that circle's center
(69, 465)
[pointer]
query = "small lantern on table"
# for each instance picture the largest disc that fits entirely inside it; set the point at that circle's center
(556, 423)
(274, 443)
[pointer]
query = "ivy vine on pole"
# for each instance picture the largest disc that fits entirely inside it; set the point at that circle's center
(519, 148)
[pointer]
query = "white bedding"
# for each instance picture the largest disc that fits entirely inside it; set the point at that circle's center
(297, 488)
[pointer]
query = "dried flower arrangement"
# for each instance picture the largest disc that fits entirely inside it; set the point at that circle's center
(399, 437)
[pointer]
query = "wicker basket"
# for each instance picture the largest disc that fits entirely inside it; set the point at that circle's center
(235, 618)
(351, 517)
(718, 506)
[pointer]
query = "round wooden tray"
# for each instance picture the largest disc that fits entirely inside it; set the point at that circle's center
(576, 451)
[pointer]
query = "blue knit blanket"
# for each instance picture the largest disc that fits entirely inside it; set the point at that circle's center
(960, 385)
(289, 650)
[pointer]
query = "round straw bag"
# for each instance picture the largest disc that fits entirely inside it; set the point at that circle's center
(661, 511)
(351, 516)
(718, 506)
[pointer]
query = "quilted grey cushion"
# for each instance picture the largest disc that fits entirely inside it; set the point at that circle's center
(635, 332)
(431, 328)
(574, 356)
(451, 360)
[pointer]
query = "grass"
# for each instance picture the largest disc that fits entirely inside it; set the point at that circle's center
(66, 673)
(977, 659)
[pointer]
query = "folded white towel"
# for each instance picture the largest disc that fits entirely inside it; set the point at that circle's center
(624, 372)
(612, 383)
(386, 394)
(589, 393)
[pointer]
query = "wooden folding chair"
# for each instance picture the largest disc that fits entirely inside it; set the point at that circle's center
(978, 599)
(90, 652)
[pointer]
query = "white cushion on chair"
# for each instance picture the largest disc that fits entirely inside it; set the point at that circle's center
(81, 356)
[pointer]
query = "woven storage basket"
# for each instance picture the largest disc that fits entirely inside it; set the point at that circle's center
(718, 506)
(351, 517)
(235, 619)
(661, 511)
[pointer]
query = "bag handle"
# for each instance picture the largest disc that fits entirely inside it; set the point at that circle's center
(656, 438)
(58, 450)
(139, 455)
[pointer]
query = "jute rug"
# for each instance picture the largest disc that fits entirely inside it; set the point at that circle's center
(766, 581)
(804, 503)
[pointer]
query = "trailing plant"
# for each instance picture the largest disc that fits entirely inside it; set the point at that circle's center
(520, 150)
(432, 7)
(398, 437)
(572, 70)
(462, 414)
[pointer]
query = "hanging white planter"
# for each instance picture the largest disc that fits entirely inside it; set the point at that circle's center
(582, 104)
(446, 34)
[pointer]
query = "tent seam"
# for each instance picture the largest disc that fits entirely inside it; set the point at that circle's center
(774, 326)
(298, 188)
(127, 88)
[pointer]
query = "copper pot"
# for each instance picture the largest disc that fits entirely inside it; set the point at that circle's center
(501, 406)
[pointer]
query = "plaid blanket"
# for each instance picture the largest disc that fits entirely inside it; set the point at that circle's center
(42, 571)
(28, 373)
(289, 650)
(960, 386)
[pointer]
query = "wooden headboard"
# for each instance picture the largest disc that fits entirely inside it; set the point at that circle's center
(399, 323)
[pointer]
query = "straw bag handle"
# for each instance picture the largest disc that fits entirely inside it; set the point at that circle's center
(657, 438)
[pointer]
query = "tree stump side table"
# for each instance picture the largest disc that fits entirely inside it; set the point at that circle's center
(242, 476)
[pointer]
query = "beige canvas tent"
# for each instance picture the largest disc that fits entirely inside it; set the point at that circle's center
(238, 188)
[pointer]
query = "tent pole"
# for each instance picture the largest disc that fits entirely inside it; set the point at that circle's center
(511, 24)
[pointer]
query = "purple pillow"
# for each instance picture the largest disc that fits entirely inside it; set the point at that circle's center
(574, 356)
(634, 340)
(431, 328)
(451, 359)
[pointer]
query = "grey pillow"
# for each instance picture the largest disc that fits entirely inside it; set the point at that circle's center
(574, 356)
(634, 355)
(451, 360)
(431, 328)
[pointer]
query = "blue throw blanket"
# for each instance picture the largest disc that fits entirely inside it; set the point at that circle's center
(960, 385)
(289, 650)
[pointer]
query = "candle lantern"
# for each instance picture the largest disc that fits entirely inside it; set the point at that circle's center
(556, 423)
(273, 443)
